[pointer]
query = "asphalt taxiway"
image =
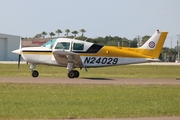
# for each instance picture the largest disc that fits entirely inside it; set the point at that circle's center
(133, 81)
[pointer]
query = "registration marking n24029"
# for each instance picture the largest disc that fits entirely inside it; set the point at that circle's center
(100, 60)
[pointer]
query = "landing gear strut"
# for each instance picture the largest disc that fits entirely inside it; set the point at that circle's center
(35, 73)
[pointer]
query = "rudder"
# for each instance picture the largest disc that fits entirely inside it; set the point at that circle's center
(153, 46)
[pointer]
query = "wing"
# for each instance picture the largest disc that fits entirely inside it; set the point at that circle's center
(64, 57)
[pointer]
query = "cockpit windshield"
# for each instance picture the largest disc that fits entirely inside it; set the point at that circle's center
(49, 44)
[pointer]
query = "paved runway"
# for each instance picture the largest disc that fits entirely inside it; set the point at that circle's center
(98, 81)
(91, 81)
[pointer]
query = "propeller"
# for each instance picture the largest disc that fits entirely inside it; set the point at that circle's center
(18, 51)
(19, 59)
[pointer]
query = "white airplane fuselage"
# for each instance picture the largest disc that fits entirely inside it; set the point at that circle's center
(45, 56)
(73, 54)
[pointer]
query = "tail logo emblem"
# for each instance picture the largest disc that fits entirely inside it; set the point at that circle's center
(151, 44)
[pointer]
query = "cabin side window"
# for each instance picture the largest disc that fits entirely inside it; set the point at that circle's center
(63, 45)
(78, 46)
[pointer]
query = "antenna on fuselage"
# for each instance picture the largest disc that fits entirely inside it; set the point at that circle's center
(87, 38)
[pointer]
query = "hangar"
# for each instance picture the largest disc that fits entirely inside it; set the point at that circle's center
(8, 43)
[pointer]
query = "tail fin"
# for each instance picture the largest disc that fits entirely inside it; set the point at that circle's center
(153, 46)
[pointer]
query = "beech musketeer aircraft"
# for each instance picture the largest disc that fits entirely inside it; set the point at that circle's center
(71, 53)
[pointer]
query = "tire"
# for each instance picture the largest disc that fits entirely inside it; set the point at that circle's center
(76, 73)
(35, 73)
(71, 74)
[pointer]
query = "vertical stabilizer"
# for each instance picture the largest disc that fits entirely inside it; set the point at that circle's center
(154, 45)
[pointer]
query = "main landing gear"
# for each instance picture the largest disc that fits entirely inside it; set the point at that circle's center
(73, 74)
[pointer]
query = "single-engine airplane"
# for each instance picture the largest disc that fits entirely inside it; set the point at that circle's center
(72, 53)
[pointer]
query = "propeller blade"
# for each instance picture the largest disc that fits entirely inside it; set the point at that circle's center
(19, 60)
(20, 50)
(20, 47)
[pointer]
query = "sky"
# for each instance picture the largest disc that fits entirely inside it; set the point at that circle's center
(100, 18)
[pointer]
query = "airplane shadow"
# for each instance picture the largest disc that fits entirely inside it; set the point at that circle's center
(96, 78)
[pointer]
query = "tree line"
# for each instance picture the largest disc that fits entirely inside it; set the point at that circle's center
(107, 40)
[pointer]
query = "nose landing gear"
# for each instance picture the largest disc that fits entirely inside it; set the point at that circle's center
(35, 73)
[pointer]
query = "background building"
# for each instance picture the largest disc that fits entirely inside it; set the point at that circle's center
(8, 43)
(34, 42)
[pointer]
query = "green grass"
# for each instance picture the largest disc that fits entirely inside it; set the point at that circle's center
(25, 101)
(125, 71)
(31, 101)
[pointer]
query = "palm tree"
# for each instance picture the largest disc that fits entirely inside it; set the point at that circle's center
(38, 36)
(58, 32)
(75, 32)
(51, 34)
(44, 34)
(82, 31)
(67, 31)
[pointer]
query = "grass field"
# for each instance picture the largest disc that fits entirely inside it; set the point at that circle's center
(45, 101)
(125, 71)
(21, 101)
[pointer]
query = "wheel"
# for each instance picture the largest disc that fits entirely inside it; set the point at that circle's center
(71, 74)
(76, 73)
(35, 73)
